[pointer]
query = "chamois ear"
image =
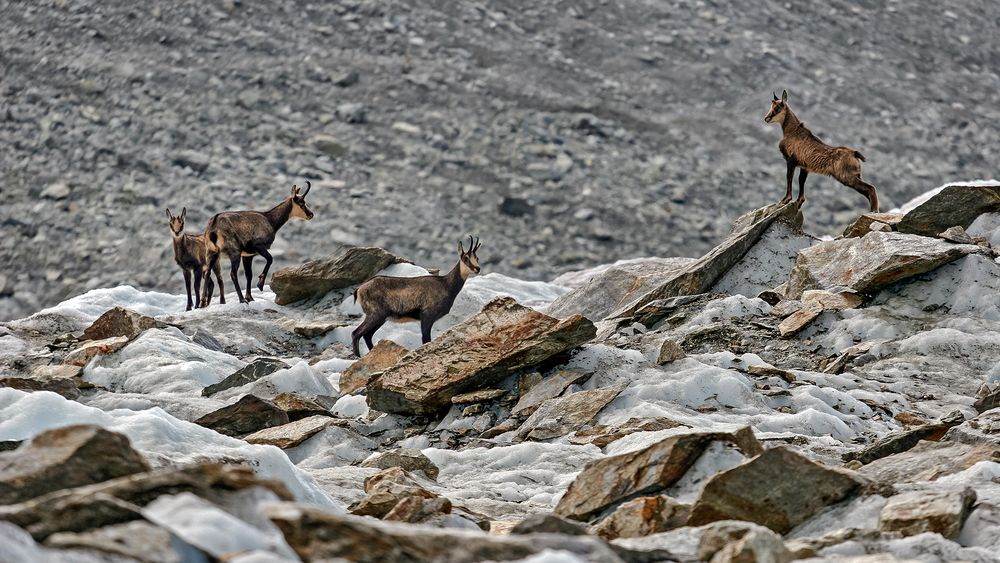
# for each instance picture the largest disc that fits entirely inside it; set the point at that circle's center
(784, 95)
(169, 216)
(461, 249)
(295, 190)
(184, 212)
(775, 95)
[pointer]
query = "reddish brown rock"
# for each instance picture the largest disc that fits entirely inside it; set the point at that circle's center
(119, 321)
(82, 355)
(383, 356)
(641, 517)
(247, 415)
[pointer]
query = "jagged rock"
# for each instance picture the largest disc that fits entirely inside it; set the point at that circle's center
(670, 351)
(561, 415)
(602, 435)
(799, 320)
(786, 307)
(872, 221)
(766, 264)
(65, 457)
(917, 512)
(804, 548)
(955, 204)
(119, 321)
(66, 387)
(700, 275)
(346, 267)
(386, 489)
(866, 264)
(247, 415)
(957, 235)
(383, 356)
(502, 338)
(249, 373)
(415, 509)
(928, 461)
(291, 434)
(770, 371)
(548, 388)
(138, 540)
(408, 459)
(298, 407)
(897, 442)
(983, 429)
(312, 329)
(120, 500)
(988, 401)
(778, 489)
(607, 481)
(741, 542)
(641, 517)
(982, 526)
(478, 396)
(82, 355)
(619, 283)
(548, 523)
(655, 311)
(831, 301)
(317, 535)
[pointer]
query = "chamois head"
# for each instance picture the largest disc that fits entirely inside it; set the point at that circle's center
(298, 198)
(177, 222)
(467, 258)
(778, 107)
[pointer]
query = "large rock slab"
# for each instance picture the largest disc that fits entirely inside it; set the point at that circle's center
(383, 356)
(608, 481)
(868, 263)
(502, 338)
(701, 275)
(65, 457)
(317, 535)
(346, 267)
(778, 489)
(548, 388)
(641, 517)
(119, 321)
(562, 415)
(247, 415)
(249, 373)
(928, 461)
(291, 434)
(955, 204)
(409, 459)
(741, 542)
(606, 291)
(82, 355)
(917, 512)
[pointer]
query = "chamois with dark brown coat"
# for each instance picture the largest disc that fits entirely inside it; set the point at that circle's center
(805, 151)
(245, 234)
(192, 256)
(423, 298)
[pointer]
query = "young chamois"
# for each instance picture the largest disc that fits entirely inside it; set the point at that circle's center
(191, 255)
(423, 298)
(246, 234)
(804, 150)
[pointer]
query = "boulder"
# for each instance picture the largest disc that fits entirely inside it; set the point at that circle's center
(249, 373)
(872, 222)
(641, 517)
(346, 267)
(608, 481)
(928, 461)
(298, 407)
(655, 311)
(918, 512)
(897, 442)
(548, 523)
(741, 542)
(869, 263)
(778, 489)
(602, 435)
(65, 457)
(799, 320)
(548, 388)
(700, 275)
(984, 428)
(830, 300)
(291, 434)
(136, 540)
(502, 338)
(386, 489)
(81, 356)
(957, 235)
(953, 205)
(317, 535)
(771, 371)
(417, 509)
(66, 387)
(670, 351)
(621, 282)
(119, 321)
(477, 396)
(408, 459)
(383, 356)
(245, 416)
(562, 415)
(988, 401)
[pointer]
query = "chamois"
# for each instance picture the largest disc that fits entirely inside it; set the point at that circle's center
(191, 255)
(804, 150)
(423, 298)
(249, 233)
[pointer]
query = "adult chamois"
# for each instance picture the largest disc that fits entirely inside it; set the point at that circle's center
(423, 298)
(249, 233)
(805, 151)
(191, 255)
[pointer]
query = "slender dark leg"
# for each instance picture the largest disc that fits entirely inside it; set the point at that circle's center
(790, 174)
(197, 284)
(426, 322)
(234, 268)
(372, 328)
(356, 335)
(213, 263)
(267, 266)
(218, 276)
(802, 187)
(867, 190)
(187, 286)
(248, 272)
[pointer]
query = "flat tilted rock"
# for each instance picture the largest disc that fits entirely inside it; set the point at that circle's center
(349, 266)
(954, 205)
(868, 263)
(562, 415)
(291, 434)
(917, 512)
(247, 415)
(249, 373)
(610, 480)
(500, 339)
(383, 356)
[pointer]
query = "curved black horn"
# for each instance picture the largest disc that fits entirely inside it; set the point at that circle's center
(476, 246)
(308, 187)
(471, 244)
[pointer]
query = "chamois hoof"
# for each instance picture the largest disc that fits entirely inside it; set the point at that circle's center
(784, 201)
(799, 203)
(188, 307)
(260, 285)
(249, 299)
(222, 301)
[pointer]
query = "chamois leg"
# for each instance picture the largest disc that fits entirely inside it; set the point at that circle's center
(187, 287)
(267, 266)
(213, 263)
(218, 276)
(865, 189)
(790, 175)
(426, 322)
(234, 268)
(802, 187)
(371, 332)
(197, 285)
(365, 330)
(248, 271)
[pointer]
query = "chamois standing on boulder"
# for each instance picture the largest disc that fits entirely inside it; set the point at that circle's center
(805, 151)
(423, 298)
(192, 256)
(249, 233)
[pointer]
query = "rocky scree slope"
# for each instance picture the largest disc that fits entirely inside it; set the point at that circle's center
(566, 135)
(780, 398)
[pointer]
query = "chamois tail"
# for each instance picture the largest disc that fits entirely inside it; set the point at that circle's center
(859, 156)
(355, 295)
